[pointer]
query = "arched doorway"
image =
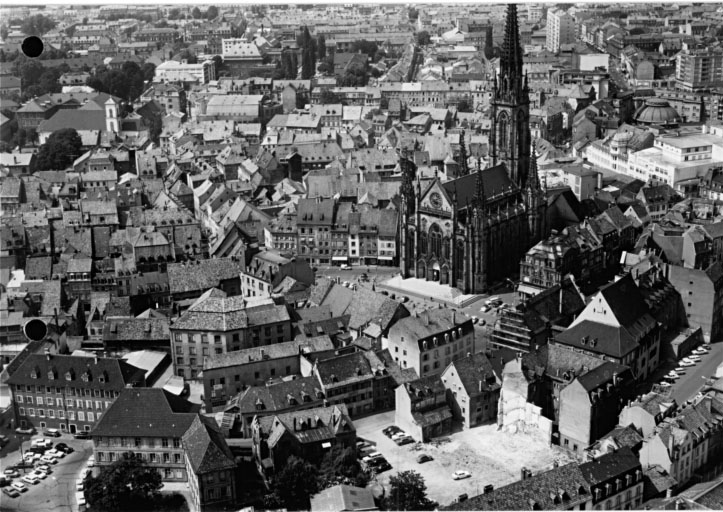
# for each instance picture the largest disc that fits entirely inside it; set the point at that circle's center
(444, 275)
(421, 270)
(434, 272)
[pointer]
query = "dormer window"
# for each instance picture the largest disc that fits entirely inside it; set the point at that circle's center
(87, 376)
(70, 375)
(52, 374)
(35, 373)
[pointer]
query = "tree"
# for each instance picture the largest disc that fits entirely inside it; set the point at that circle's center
(59, 151)
(4, 31)
(196, 13)
(295, 483)
(37, 25)
(155, 127)
(212, 12)
(321, 46)
(307, 64)
(364, 46)
(174, 14)
(423, 38)
(127, 484)
(341, 465)
(413, 14)
(407, 491)
(218, 64)
(636, 31)
(161, 24)
(464, 105)
(20, 138)
(70, 30)
(189, 56)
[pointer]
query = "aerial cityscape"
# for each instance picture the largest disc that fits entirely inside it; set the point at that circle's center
(363, 256)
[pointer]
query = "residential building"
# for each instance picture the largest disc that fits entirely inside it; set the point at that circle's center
(617, 324)
(429, 342)
(347, 379)
(174, 71)
(314, 221)
(343, 497)
(616, 480)
(308, 434)
(269, 268)
(227, 374)
(701, 292)
(189, 280)
(560, 29)
(590, 404)
(421, 408)
(70, 393)
(473, 389)
(699, 68)
(647, 411)
(217, 324)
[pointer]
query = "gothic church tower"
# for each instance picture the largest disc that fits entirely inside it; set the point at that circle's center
(510, 133)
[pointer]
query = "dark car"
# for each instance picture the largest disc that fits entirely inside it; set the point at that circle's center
(37, 449)
(404, 440)
(462, 497)
(424, 458)
(23, 465)
(64, 448)
(390, 431)
(382, 466)
(81, 435)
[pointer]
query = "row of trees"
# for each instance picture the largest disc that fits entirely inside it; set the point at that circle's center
(299, 480)
(308, 54)
(127, 82)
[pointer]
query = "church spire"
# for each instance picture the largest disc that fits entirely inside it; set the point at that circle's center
(407, 188)
(533, 180)
(479, 198)
(511, 58)
(463, 166)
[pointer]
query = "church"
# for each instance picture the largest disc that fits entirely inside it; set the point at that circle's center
(471, 231)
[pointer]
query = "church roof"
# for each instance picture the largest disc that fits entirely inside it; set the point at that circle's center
(495, 180)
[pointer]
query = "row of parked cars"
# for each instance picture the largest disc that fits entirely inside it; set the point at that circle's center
(40, 457)
(684, 363)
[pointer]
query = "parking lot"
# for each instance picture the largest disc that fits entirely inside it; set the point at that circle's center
(57, 491)
(491, 456)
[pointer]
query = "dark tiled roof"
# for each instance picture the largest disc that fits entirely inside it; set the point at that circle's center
(38, 268)
(275, 351)
(203, 274)
(430, 323)
(603, 374)
(206, 448)
(541, 490)
(116, 373)
(135, 329)
(495, 179)
(349, 368)
(307, 426)
(279, 397)
(145, 412)
(229, 314)
(474, 369)
(610, 465)
(626, 302)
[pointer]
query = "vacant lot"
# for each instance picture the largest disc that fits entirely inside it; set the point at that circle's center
(492, 456)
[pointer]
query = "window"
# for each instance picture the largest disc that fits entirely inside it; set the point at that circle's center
(61, 414)
(30, 399)
(81, 416)
(21, 411)
(137, 442)
(91, 417)
(41, 413)
(71, 415)
(176, 443)
(51, 413)
(177, 458)
(19, 398)
(40, 398)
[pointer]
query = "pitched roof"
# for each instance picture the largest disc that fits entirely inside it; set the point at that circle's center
(343, 497)
(344, 369)
(476, 373)
(307, 426)
(146, 412)
(206, 448)
(601, 375)
(116, 373)
(275, 351)
(610, 465)
(229, 314)
(202, 274)
(495, 180)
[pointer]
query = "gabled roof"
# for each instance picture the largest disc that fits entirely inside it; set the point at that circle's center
(476, 373)
(495, 179)
(206, 448)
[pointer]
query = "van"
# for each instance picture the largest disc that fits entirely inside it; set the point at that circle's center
(492, 300)
(462, 497)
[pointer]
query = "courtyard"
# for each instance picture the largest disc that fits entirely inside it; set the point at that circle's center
(491, 456)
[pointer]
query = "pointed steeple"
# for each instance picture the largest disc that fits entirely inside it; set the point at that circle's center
(407, 188)
(511, 58)
(479, 199)
(463, 166)
(533, 180)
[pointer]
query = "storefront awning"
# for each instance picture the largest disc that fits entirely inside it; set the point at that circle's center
(339, 258)
(528, 290)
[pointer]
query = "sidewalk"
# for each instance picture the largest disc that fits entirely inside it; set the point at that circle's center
(428, 290)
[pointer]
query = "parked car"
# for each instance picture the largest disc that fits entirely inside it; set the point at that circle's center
(30, 457)
(44, 468)
(58, 454)
(391, 430)
(42, 442)
(401, 441)
(345, 267)
(30, 479)
(484, 309)
(48, 459)
(686, 362)
(680, 370)
(462, 497)
(25, 431)
(461, 474)
(421, 459)
(11, 491)
(81, 435)
(398, 434)
(483, 322)
(4, 481)
(672, 375)
(80, 498)
(41, 475)
(372, 456)
(79, 486)
(64, 448)
(491, 300)
(700, 351)
(382, 466)
(664, 384)
(52, 432)
(695, 358)
(19, 486)
(11, 473)
(4, 440)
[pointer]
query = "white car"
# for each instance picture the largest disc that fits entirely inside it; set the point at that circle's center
(80, 498)
(475, 320)
(700, 351)
(695, 358)
(55, 453)
(484, 309)
(42, 443)
(672, 376)
(79, 486)
(686, 362)
(461, 474)
(680, 370)
(664, 384)
(398, 435)
(42, 475)
(30, 457)
(91, 461)
(30, 479)
(48, 459)
(345, 267)
(19, 486)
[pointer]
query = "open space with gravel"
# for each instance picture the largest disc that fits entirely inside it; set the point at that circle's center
(492, 456)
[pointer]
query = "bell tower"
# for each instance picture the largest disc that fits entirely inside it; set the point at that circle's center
(510, 133)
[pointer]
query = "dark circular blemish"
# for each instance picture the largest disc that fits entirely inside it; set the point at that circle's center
(32, 46)
(35, 329)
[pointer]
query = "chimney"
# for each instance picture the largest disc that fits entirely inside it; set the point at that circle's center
(480, 386)
(95, 358)
(47, 354)
(615, 378)
(670, 444)
(560, 309)
(669, 492)
(524, 473)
